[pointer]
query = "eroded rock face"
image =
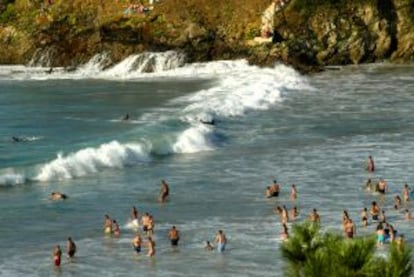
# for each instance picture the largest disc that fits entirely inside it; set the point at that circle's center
(365, 31)
(341, 33)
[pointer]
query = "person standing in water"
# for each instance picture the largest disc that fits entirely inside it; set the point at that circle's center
(314, 216)
(107, 225)
(134, 217)
(151, 247)
(115, 228)
(406, 193)
(164, 191)
(174, 236)
(293, 193)
(57, 255)
(370, 164)
(221, 241)
(136, 243)
(70, 247)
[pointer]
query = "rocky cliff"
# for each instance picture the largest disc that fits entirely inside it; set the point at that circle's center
(306, 34)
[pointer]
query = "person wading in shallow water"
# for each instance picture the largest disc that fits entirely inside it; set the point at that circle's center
(57, 255)
(71, 247)
(164, 191)
(174, 236)
(370, 164)
(221, 241)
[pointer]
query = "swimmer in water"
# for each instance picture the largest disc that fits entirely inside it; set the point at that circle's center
(208, 122)
(126, 117)
(56, 195)
(208, 246)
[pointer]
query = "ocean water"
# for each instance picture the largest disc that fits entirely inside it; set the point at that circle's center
(270, 123)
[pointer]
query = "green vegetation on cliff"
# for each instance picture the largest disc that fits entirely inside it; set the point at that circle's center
(308, 32)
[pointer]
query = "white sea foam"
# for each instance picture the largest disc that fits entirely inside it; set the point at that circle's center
(194, 139)
(91, 160)
(136, 65)
(238, 88)
(12, 179)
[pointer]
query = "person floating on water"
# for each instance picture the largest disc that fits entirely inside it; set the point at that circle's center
(56, 195)
(208, 122)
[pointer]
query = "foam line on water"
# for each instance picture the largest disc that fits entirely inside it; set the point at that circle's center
(91, 160)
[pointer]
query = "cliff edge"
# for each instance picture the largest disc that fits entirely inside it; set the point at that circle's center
(305, 34)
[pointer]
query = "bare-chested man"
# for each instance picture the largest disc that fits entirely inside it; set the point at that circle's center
(146, 222)
(70, 247)
(314, 216)
(382, 186)
(374, 210)
(174, 236)
(221, 241)
(275, 189)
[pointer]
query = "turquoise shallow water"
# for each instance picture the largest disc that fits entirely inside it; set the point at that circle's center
(314, 131)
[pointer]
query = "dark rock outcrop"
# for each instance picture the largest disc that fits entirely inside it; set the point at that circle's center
(307, 36)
